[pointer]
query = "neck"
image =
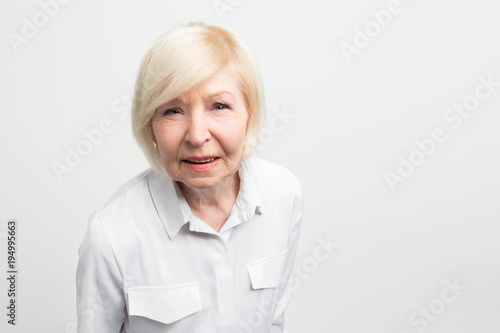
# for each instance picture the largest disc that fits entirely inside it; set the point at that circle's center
(221, 196)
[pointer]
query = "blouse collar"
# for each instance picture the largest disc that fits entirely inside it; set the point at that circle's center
(174, 211)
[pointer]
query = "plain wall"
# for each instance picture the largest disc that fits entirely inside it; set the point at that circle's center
(401, 188)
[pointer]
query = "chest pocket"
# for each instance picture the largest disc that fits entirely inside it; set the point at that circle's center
(267, 272)
(165, 304)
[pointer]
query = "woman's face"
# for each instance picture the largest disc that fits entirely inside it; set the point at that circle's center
(201, 134)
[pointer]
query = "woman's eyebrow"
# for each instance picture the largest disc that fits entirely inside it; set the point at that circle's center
(207, 96)
(218, 94)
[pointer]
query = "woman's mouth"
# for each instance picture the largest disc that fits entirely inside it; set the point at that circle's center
(202, 161)
(201, 164)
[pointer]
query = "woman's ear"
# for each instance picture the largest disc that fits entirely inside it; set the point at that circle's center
(153, 137)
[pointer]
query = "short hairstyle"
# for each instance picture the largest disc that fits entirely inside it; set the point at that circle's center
(183, 59)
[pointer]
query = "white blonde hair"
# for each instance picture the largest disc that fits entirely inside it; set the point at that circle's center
(181, 60)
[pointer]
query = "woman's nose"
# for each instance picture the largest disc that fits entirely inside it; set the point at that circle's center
(198, 130)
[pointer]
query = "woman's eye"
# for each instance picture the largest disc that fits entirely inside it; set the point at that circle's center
(171, 111)
(220, 106)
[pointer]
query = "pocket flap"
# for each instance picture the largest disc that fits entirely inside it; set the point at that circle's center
(165, 304)
(267, 272)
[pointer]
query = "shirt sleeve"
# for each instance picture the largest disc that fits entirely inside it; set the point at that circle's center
(100, 297)
(286, 286)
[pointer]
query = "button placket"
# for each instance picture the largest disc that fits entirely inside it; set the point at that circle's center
(224, 282)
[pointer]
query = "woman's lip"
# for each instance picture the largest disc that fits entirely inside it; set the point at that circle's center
(194, 158)
(201, 166)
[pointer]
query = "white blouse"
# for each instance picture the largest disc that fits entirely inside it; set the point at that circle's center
(147, 264)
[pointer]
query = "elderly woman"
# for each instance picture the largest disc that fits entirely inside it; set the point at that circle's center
(204, 240)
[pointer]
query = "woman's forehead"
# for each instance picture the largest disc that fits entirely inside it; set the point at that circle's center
(221, 84)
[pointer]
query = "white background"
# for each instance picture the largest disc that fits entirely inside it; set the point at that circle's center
(352, 122)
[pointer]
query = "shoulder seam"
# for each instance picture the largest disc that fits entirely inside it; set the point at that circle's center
(99, 220)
